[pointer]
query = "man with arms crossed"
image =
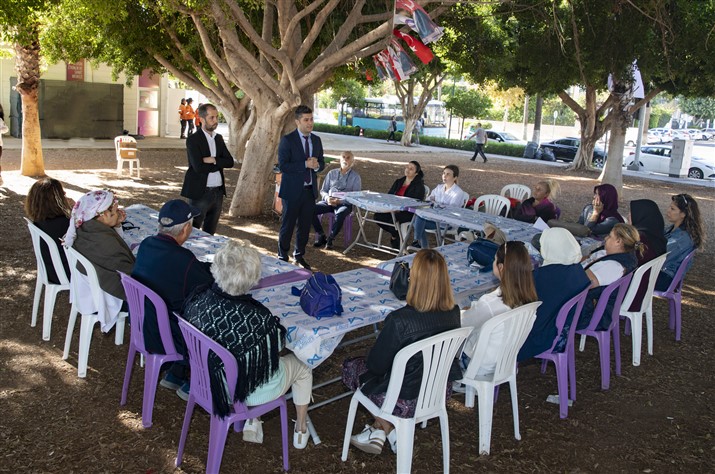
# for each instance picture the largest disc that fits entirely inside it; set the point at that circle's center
(300, 158)
(204, 183)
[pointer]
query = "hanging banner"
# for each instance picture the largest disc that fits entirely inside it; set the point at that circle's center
(422, 52)
(417, 19)
(398, 54)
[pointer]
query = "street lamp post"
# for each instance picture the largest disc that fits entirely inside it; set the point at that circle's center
(553, 128)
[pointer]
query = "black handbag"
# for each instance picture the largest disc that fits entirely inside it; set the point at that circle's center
(400, 280)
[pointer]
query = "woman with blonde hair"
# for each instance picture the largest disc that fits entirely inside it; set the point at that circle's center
(430, 310)
(49, 209)
(540, 204)
(512, 266)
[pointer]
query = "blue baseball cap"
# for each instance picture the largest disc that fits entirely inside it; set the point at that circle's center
(177, 212)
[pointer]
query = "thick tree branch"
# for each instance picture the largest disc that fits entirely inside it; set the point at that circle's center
(314, 32)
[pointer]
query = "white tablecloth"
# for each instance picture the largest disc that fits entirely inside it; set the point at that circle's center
(366, 300)
(382, 202)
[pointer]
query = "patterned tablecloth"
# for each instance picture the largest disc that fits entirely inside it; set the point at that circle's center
(367, 299)
(382, 202)
(202, 244)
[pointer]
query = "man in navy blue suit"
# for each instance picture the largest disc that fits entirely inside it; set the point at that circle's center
(300, 157)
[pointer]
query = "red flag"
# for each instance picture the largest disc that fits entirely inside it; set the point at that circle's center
(368, 75)
(416, 46)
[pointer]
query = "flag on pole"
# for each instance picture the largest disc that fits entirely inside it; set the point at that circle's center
(422, 52)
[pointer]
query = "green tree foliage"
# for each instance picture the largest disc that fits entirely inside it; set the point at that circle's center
(348, 92)
(701, 108)
(469, 103)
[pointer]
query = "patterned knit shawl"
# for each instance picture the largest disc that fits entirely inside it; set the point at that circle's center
(247, 329)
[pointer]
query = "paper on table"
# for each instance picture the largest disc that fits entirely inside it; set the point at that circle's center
(540, 224)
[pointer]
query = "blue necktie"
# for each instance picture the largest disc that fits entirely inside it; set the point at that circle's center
(308, 177)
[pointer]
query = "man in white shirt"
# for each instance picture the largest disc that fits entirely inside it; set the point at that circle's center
(481, 135)
(204, 183)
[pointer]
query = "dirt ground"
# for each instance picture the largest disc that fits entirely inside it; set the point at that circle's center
(657, 417)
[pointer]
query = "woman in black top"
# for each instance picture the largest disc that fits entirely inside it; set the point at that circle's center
(411, 185)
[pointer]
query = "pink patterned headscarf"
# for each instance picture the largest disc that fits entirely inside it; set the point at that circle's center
(86, 208)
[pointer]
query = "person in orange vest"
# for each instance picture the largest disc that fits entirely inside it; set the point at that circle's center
(189, 116)
(182, 122)
(197, 120)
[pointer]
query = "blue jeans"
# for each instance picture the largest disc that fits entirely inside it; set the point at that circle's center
(420, 225)
(341, 212)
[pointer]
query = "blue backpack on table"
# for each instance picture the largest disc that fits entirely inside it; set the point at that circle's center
(321, 296)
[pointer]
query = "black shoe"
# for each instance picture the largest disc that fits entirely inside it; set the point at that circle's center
(322, 240)
(395, 244)
(416, 245)
(301, 261)
(285, 259)
(472, 159)
(485, 160)
(329, 243)
(182, 136)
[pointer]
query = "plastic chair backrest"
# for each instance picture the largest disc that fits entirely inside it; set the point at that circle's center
(494, 204)
(37, 236)
(576, 304)
(654, 266)
(620, 285)
(465, 199)
(122, 139)
(74, 257)
(199, 346)
(137, 294)
(517, 324)
(427, 190)
(438, 352)
(677, 282)
(516, 191)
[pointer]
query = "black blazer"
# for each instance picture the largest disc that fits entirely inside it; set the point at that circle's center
(197, 148)
(416, 189)
(291, 160)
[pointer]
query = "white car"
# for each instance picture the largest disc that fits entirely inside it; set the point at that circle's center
(656, 158)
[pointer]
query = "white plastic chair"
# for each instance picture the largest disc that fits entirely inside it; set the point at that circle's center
(494, 204)
(449, 230)
(51, 289)
(516, 325)
(126, 153)
(636, 317)
(437, 352)
(516, 191)
(88, 319)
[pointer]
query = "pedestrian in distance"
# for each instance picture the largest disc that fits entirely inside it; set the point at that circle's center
(481, 138)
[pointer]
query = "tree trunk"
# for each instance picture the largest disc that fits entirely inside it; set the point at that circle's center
(620, 117)
(409, 128)
(591, 127)
(27, 65)
(536, 137)
(526, 117)
(261, 153)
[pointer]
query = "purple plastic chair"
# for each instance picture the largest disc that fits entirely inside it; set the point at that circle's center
(565, 362)
(136, 296)
(199, 346)
(604, 336)
(347, 226)
(674, 294)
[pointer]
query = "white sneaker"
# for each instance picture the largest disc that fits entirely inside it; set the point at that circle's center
(300, 438)
(392, 438)
(370, 440)
(253, 431)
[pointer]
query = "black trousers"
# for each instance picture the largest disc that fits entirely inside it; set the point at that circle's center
(296, 211)
(210, 204)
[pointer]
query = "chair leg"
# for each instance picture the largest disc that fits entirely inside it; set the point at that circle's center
(617, 350)
(563, 389)
(604, 348)
(571, 366)
(119, 329)
(486, 412)
(70, 329)
(131, 354)
(515, 407)
(217, 442)
(36, 302)
(637, 335)
(405, 444)
(348, 230)
(678, 321)
(444, 428)
(352, 411)
(185, 429)
(649, 327)
(284, 434)
(119, 168)
(85, 338)
(582, 344)
(151, 378)
(49, 309)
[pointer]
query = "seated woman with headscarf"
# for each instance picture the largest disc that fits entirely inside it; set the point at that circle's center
(602, 214)
(94, 229)
(557, 280)
(226, 313)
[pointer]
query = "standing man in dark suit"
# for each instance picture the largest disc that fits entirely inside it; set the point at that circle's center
(204, 183)
(300, 157)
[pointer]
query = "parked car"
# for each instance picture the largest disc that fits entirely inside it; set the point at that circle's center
(696, 134)
(656, 158)
(565, 149)
(710, 132)
(663, 133)
(504, 137)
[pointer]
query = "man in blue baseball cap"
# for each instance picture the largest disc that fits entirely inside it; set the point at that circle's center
(173, 272)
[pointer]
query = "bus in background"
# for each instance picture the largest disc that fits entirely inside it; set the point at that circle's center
(375, 114)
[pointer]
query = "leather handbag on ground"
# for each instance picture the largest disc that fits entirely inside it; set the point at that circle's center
(482, 251)
(321, 296)
(400, 280)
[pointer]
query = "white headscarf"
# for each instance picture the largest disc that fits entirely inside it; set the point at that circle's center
(558, 246)
(86, 208)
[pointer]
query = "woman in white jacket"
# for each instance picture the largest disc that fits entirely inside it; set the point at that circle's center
(447, 194)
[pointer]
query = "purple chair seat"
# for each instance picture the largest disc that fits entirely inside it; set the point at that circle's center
(565, 361)
(199, 346)
(674, 295)
(347, 226)
(136, 295)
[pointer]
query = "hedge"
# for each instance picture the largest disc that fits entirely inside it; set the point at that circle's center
(506, 149)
